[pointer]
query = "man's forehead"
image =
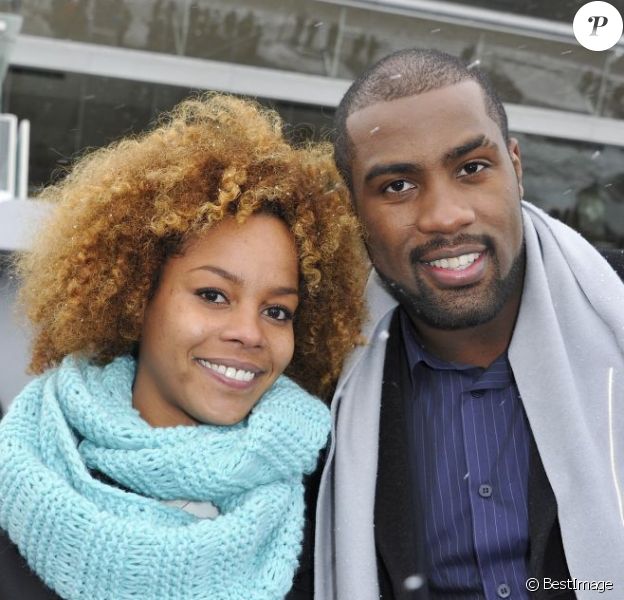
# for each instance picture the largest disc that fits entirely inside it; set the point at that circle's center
(447, 101)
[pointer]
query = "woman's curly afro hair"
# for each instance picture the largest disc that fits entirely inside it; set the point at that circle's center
(123, 210)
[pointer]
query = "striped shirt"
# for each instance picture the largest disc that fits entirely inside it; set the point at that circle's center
(470, 441)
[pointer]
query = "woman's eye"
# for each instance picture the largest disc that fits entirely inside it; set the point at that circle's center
(471, 168)
(214, 296)
(279, 313)
(398, 186)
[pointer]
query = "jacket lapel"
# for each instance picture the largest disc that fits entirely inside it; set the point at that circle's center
(546, 555)
(399, 544)
(542, 511)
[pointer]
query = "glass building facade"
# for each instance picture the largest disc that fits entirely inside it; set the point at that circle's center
(86, 72)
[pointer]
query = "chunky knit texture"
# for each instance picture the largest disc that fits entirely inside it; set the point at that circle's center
(86, 539)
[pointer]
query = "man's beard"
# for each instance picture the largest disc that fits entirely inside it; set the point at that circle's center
(458, 308)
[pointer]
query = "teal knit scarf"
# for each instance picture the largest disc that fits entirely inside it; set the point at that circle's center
(87, 539)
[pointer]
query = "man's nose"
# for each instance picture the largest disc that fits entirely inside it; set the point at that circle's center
(444, 210)
(244, 325)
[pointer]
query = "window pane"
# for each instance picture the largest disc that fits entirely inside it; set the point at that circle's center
(580, 184)
(556, 10)
(70, 113)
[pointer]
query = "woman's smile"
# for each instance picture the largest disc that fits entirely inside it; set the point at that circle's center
(231, 372)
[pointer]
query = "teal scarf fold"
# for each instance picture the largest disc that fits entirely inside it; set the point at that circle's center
(87, 539)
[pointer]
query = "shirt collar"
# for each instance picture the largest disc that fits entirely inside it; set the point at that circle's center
(497, 375)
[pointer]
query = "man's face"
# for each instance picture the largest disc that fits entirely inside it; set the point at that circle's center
(438, 191)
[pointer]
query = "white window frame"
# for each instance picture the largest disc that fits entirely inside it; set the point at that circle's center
(152, 67)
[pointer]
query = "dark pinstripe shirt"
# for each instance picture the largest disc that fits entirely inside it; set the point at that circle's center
(470, 458)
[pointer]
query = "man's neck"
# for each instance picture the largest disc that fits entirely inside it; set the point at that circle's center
(479, 346)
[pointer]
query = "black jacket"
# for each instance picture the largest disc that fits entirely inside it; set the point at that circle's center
(17, 581)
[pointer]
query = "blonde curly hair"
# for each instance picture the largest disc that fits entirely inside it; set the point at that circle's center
(123, 210)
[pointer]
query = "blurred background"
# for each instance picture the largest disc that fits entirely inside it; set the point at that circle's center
(77, 74)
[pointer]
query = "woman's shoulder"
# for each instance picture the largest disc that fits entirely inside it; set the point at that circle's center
(16, 578)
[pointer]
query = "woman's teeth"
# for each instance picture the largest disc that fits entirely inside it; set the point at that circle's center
(229, 372)
(456, 263)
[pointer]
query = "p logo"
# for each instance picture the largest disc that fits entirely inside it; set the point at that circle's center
(597, 26)
(598, 22)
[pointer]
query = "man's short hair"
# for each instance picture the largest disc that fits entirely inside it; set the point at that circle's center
(407, 73)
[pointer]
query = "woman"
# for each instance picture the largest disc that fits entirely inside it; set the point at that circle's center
(160, 454)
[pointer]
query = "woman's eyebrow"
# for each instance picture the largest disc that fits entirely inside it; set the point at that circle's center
(278, 291)
(284, 291)
(219, 271)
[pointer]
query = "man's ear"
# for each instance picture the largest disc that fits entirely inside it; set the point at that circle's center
(514, 152)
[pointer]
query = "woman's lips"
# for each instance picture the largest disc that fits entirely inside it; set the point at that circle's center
(228, 378)
(458, 276)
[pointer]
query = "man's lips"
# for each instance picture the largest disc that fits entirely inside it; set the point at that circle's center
(455, 268)
(452, 252)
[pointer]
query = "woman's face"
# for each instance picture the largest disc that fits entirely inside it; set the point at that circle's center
(218, 331)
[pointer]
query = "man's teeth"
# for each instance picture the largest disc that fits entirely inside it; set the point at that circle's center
(229, 372)
(456, 262)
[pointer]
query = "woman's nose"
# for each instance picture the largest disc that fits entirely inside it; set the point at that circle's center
(244, 326)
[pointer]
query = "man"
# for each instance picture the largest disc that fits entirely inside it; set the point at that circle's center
(476, 444)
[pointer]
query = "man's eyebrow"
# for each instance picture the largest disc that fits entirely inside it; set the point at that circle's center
(278, 291)
(392, 168)
(481, 141)
(405, 168)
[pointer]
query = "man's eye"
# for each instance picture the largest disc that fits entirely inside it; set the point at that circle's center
(279, 313)
(398, 186)
(211, 295)
(471, 168)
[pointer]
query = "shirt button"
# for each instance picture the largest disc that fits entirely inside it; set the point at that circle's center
(503, 591)
(477, 393)
(485, 491)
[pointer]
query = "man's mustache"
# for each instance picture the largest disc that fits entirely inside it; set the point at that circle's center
(440, 242)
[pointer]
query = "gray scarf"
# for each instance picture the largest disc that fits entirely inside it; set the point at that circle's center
(567, 356)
